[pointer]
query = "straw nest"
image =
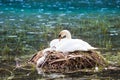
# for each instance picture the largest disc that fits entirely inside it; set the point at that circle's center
(73, 62)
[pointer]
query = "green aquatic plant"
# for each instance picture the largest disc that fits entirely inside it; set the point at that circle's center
(113, 58)
(5, 52)
(108, 44)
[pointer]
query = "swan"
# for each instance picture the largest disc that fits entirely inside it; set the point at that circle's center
(66, 44)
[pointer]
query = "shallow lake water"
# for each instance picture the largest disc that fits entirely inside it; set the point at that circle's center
(29, 26)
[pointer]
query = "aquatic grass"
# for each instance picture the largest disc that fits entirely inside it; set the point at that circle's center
(4, 73)
(86, 26)
(5, 52)
(113, 58)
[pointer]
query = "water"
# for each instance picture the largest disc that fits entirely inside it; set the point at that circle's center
(28, 25)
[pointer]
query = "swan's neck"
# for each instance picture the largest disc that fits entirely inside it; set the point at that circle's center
(68, 35)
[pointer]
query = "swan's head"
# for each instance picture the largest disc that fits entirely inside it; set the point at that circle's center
(64, 34)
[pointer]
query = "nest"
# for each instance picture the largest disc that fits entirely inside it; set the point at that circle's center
(73, 62)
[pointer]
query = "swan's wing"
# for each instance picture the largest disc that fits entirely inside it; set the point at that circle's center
(85, 44)
(70, 45)
(73, 45)
(63, 45)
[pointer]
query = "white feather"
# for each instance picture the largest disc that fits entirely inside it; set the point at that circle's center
(70, 45)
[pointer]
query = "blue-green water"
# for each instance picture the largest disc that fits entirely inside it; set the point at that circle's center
(54, 9)
(29, 25)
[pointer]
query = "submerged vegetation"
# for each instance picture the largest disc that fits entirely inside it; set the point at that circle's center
(102, 32)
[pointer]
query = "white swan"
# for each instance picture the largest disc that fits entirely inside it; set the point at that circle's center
(67, 44)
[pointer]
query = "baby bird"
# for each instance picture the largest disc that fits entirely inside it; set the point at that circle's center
(42, 60)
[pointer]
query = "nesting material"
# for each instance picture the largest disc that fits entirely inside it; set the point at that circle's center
(72, 62)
